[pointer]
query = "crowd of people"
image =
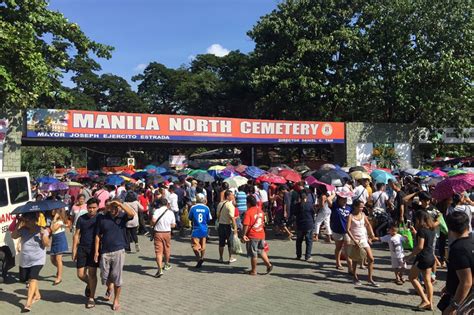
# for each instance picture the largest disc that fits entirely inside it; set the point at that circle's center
(105, 220)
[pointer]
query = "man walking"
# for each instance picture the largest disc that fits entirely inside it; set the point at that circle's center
(163, 221)
(200, 216)
(83, 249)
(227, 222)
(254, 235)
(110, 235)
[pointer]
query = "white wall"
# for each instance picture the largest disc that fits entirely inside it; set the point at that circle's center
(364, 152)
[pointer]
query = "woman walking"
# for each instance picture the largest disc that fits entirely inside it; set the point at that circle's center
(34, 241)
(425, 259)
(132, 225)
(58, 242)
(360, 231)
(324, 214)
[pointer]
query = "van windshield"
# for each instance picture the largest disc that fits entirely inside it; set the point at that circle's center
(18, 187)
(3, 193)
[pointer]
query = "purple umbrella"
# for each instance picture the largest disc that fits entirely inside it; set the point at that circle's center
(54, 186)
(453, 185)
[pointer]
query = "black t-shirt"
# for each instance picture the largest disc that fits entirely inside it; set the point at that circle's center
(87, 226)
(427, 253)
(398, 203)
(113, 232)
(461, 256)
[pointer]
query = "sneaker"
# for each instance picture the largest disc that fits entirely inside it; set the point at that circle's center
(159, 273)
(137, 248)
(167, 267)
(374, 284)
(232, 260)
(309, 259)
(357, 283)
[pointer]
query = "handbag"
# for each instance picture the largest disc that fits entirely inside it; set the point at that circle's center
(408, 242)
(357, 253)
(154, 226)
(219, 214)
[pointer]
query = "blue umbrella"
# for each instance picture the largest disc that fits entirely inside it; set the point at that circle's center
(254, 171)
(447, 169)
(47, 180)
(161, 170)
(36, 206)
(427, 174)
(171, 178)
(140, 175)
(150, 168)
(114, 180)
(382, 177)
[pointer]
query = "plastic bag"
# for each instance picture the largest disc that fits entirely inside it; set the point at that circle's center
(403, 231)
(443, 228)
(357, 253)
(236, 248)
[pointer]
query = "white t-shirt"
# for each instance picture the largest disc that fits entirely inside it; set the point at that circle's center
(173, 200)
(395, 245)
(263, 195)
(166, 221)
(379, 199)
(362, 192)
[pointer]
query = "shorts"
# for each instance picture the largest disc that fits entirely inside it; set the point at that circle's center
(363, 243)
(255, 248)
(225, 231)
(111, 267)
(162, 241)
(85, 258)
(198, 244)
(30, 273)
(341, 237)
(423, 264)
(398, 263)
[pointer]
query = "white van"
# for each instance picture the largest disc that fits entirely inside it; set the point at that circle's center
(15, 191)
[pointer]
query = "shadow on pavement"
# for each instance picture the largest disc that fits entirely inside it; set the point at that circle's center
(56, 296)
(353, 299)
(13, 299)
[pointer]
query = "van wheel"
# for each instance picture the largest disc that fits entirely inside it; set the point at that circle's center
(3, 266)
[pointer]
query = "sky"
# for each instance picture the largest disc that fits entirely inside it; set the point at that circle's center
(171, 32)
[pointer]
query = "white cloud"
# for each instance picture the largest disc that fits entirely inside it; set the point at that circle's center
(217, 50)
(140, 67)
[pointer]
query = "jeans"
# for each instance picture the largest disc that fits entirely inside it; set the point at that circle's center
(308, 238)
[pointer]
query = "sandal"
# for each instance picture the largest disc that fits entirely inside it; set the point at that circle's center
(26, 309)
(90, 303)
(339, 268)
(56, 283)
(399, 282)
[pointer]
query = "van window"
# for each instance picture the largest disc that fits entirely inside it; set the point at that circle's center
(3, 193)
(18, 190)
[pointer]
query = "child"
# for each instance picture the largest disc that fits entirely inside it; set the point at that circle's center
(394, 241)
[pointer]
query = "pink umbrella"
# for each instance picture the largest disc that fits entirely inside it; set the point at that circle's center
(313, 182)
(272, 178)
(290, 175)
(453, 185)
(241, 168)
(439, 172)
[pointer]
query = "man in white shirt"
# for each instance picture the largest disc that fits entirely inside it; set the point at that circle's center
(360, 192)
(163, 221)
(380, 197)
(173, 200)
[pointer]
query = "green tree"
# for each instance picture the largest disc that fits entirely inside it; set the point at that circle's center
(116, 95)
(37, 46)
(39, 161)
(393, 61)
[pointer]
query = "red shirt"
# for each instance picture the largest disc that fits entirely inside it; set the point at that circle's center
(255, 219)
(144, 202)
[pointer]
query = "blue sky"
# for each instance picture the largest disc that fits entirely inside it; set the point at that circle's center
(167, 31)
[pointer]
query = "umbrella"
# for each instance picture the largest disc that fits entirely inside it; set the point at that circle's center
(382, 177)
(290, 175)
(74, 184)
(272, 178)
(114, 180)
(204, 177)
(360, 175)
(54, 186)
(150, 168)
(427, 174)
(195, 172)
(140, 175)
(236, 181)
(357, 168)
(313, 182)
(411, 171)
(254, 171)
(332, 177)
(172, 178)
(327, 167)
(453, 185)
(37, 206)
(456, 173)
(216, 168)
(440, 172)
(301, 168)
(447, 169)
(228, 172)
(155, 179)
(47, 180)
(241, 168)
(431, 181)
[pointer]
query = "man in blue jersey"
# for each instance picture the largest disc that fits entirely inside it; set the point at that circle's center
(200, 215)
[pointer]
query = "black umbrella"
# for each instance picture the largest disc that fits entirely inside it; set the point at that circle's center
(37, 206)
(331, 177)
(204, 177)
(358, 168)
(155, 179)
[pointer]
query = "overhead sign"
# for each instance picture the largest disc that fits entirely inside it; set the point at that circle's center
(88, 125)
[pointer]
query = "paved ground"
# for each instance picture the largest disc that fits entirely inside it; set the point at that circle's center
(294, 287)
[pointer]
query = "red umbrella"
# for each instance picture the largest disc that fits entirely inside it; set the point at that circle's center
(453, 185)
(241, 168)
(272, 178)
(290, 175)
(313, 182)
